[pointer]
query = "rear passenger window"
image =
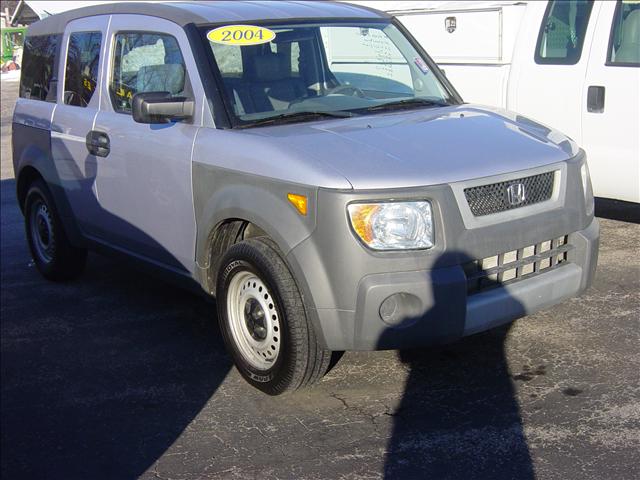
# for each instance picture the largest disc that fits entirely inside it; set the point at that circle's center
(562, 32)
(38, 79)
(81, 74)
(624, 45)
(145, 62)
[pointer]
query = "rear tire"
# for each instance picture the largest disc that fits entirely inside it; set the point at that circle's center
(54, 256)
(263, 320)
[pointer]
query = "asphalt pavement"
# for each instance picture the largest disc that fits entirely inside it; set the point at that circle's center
(119, 375)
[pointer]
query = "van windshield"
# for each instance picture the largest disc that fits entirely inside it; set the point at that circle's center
(296, 72)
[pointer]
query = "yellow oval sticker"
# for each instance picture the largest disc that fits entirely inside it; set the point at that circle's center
(241, 35)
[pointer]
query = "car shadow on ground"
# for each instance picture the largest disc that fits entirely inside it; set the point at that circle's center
(459, 416)
(617, 210)
(100, 376)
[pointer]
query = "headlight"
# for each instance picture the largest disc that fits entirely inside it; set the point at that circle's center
(393, 225)
(587, 188)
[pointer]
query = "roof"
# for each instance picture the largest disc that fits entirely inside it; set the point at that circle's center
(184, 13)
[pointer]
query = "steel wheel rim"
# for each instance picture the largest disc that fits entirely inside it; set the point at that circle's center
(42, 236)
(254, 320)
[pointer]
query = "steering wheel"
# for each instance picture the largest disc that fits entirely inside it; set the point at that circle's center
(74, 98)
(344, 89)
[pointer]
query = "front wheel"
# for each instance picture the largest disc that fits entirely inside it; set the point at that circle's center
(263, 320)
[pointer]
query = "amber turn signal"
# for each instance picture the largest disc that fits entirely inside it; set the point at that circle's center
(298, 201)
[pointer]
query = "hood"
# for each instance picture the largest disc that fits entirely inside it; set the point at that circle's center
(423, 147)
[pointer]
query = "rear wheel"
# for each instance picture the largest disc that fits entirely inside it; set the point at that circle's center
(263, 320)
(54, 256)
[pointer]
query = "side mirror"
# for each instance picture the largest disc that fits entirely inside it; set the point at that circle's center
(161, 107)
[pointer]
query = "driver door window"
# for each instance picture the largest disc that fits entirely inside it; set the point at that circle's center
(145, 62)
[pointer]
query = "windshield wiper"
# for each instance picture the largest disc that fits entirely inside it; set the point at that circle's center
(407, 103)
(298, 116)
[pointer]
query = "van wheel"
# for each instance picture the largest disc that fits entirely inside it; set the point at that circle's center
(263, 320)
(54, 256)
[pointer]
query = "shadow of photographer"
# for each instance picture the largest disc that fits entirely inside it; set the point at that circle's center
(459, 416)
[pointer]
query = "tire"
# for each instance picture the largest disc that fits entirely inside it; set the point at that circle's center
(54, 256)
(263, 320)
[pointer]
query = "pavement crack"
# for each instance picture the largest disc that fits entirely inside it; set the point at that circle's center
(370, 417)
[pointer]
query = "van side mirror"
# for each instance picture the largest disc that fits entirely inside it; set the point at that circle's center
(161, 107)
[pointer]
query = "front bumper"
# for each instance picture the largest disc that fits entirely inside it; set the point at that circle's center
(344, 284)
(448, 312)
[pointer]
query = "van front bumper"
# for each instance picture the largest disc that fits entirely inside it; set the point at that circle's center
(344, 284)
(444, 310)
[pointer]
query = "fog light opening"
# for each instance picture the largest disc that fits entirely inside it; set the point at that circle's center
(401, 309)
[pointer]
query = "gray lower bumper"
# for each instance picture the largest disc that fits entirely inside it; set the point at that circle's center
(446, 312)
(502, 305)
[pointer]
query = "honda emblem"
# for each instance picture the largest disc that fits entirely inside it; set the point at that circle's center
(516, 194)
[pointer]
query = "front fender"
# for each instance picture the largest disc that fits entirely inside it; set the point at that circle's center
(221, 195)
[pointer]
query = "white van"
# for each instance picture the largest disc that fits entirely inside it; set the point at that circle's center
(573, 65)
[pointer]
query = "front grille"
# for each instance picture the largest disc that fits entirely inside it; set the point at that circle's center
(515, 265)
(494, 198)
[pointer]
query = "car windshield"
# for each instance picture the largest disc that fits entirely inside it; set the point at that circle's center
(292, 72)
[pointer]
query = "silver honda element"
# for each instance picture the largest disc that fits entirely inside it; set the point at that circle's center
(307, 165)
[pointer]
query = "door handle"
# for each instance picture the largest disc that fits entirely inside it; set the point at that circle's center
(595, 99)
(98, 143)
